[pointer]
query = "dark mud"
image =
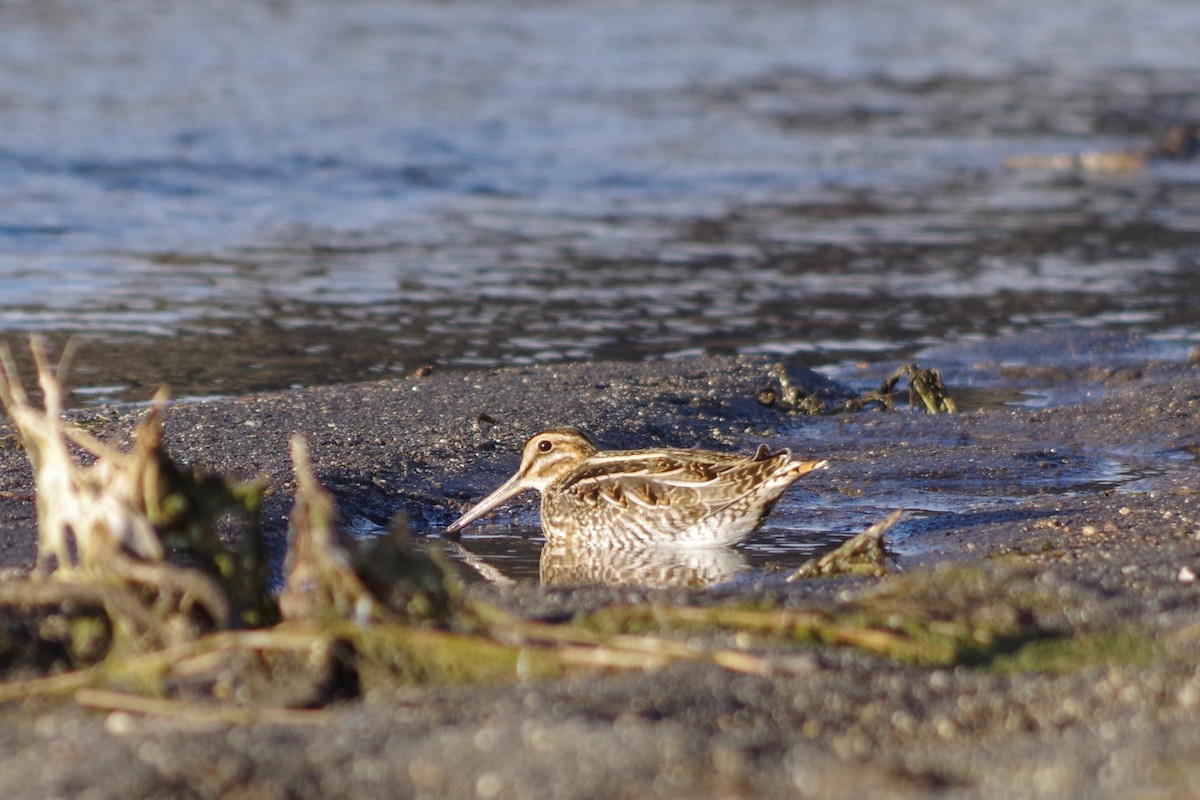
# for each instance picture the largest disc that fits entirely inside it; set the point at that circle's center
(1105, 704)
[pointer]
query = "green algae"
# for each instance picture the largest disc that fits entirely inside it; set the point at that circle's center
(988, 618)
(1119, 645)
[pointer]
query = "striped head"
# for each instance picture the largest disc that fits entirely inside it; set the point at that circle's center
(548, 458)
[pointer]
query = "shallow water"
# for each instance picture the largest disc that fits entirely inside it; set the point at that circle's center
(807, 522)
(229, 198)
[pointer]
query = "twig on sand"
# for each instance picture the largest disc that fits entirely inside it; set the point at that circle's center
(198, 713)
(862, 555)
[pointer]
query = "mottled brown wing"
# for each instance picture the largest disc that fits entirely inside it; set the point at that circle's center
(653, 494)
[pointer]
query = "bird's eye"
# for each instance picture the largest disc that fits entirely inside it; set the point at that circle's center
(545, 446)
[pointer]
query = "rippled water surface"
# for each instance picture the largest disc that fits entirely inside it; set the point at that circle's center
(233, 197)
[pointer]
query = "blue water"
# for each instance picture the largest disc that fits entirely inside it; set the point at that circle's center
(233, 197)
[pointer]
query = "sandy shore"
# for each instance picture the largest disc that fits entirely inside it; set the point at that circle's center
(1102, 700)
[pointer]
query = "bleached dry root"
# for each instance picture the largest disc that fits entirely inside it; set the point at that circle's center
(97, 521)
(387, 579)
(101, 507)
(321, 582)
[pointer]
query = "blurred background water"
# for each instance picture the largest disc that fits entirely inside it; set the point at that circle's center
(229, 197)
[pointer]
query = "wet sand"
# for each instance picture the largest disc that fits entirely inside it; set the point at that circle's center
(1112, 568)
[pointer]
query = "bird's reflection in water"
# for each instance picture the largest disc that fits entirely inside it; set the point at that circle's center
(566, 565)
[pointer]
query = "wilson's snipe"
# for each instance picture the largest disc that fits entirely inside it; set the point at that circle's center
(693, 498)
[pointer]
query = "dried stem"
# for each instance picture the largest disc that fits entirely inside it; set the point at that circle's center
(862, 555)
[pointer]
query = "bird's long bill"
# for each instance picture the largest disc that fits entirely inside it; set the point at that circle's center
(510, 487)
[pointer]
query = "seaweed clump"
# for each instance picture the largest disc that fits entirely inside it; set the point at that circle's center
(926, 391)
(109, 519)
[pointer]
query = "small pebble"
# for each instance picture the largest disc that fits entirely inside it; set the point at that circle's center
(118, 723)
(1186, 575)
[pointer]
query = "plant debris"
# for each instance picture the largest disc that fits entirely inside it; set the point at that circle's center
(925, 391)
(145, 608)
(862, 555)
(386, 579)
(106, 527)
